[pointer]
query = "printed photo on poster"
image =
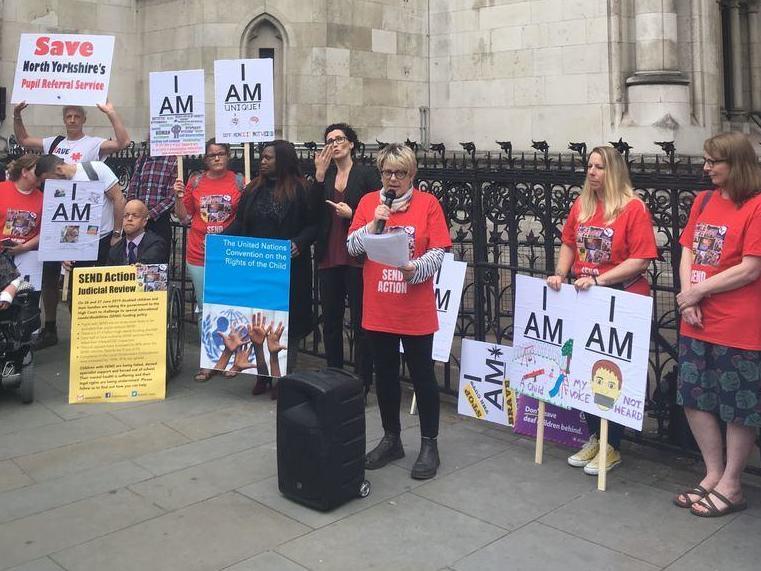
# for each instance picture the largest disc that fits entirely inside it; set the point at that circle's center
(244, 326)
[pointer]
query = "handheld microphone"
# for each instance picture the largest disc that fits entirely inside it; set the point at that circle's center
(390, 196)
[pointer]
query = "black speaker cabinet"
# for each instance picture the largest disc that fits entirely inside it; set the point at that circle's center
(321, 438)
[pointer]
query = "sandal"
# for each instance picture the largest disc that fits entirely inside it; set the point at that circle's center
(713, 511)
(204, 375)
(682, 499)
(231, 374)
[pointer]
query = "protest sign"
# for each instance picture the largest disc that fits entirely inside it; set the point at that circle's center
(178, 119)
(29, 267)
(244, 101)
(542, 339)
(566, 427)
(245, 311)
(484, 388)
(608, 373)
(118, 334)
(447, 287)
(71, 220)
(63, 69)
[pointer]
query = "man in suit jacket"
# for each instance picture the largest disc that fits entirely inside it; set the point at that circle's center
(138, 245)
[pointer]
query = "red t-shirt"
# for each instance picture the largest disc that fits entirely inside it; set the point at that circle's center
(211, 206)
(390, 303)
(719, 237)
(600, 246)
(20, 214)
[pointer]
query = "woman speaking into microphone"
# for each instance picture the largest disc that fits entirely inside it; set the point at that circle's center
(399, 303)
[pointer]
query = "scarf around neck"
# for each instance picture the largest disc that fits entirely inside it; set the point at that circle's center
(400, 203)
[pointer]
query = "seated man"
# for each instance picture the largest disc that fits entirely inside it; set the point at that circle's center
(138, 246)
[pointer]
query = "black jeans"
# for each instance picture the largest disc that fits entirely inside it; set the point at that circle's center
(615, 430)
(417, 352)
(336, 284)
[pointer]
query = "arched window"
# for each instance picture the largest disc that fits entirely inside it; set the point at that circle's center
(265, 38)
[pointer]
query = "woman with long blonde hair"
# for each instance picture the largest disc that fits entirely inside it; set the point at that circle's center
(608, 240)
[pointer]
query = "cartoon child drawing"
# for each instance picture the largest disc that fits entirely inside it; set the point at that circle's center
(607, 381)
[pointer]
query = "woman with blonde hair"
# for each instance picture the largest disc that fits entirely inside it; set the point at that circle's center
(608, 240)
(399, 303)
(720, 334)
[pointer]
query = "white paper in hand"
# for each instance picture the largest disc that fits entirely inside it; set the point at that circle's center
(391, 248)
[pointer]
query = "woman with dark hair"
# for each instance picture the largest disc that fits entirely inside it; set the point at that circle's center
(339, 184)
(208, 203)
(276, 205)
(720, 333)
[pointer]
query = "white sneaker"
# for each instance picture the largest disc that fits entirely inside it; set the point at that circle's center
(586, 454)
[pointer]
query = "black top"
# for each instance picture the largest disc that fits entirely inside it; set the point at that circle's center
(362, 180)
(152, 249)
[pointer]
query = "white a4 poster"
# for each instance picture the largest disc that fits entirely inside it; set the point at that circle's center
(178, 117)
(485, 391)
(71, 220)
(244, 100)
(608, 376)
(542, 340)
(447, 287)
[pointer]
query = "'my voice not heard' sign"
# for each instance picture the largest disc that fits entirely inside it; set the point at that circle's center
(63, 69)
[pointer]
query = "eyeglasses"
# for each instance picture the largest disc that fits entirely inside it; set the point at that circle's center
(336, 140)
(131, 215)
(397, 174)
(710, 162)
(216, 155)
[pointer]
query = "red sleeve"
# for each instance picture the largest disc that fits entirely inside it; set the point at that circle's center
(361, 215)
(689, 230)
(568, 236)
(187, 199)
(752, 239)
(437, 226)
(639, 233)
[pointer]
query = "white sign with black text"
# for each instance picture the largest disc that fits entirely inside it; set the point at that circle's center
(244, 100)
(178, 117)
(485, 391)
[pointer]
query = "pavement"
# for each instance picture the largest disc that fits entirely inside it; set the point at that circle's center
(190, 483)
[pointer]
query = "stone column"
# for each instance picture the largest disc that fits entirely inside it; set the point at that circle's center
(658, 92)
(754, 35)
(738, 76)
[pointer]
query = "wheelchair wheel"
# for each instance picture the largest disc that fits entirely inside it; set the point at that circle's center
(175, 333)
(26, 387)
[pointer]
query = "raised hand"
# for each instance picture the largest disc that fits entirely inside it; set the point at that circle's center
(322, 162)
(243, 359)
(258, 329)
(232, 341)
(273, 338)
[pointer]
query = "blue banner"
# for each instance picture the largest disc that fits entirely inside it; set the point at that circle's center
(253, 272)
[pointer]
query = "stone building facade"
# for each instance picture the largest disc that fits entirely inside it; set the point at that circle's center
(438, 70)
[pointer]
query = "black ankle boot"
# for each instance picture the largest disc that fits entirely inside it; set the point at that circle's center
(388, 449)
(427, 461)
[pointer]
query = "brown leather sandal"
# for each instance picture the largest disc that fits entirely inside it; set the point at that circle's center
(682, 499)
(712, 510)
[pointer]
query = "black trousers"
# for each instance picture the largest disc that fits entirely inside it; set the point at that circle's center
(163, 227)
(615, 430)
(336, 284)
(417, 352)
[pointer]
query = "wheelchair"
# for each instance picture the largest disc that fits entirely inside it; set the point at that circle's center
(175, 330)
(18, 324)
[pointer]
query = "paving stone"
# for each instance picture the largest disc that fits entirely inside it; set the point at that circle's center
(536, 546)
(407, 533)
(45, 564)
(735, 546)
(634, 519)
(193, 453)
(18, 417)
(192, 404)
(209, 535)
(52, 494)
(267, 561)
(179, 489)
(226, 420)
(386, 483)
(11, 476)
(61, 434)
(29, 538)
(99, 452)
(509, 490)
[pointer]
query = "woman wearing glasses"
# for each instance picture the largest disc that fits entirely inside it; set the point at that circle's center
(720, 341)
(208, 203)
(340, 183)
(399, 303)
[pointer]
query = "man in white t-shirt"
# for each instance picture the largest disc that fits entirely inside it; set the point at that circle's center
(51, 166)
(75, 147)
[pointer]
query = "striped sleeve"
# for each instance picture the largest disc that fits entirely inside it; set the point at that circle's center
(355, 242)
(427, 265)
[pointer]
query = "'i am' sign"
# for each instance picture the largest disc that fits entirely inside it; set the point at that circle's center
(608, 375)
(244, 100)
